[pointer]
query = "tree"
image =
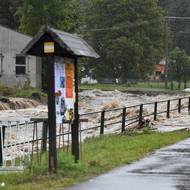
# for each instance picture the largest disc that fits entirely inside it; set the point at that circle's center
(179, 66)
(61, 14)
(66, 15)
(8, 16)
(127, 34)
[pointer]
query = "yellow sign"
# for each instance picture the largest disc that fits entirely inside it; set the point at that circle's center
(49, 47)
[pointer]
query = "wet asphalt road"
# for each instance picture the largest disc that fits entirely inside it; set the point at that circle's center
(166, 169)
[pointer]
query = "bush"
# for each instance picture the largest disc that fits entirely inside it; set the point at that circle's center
(30, 93)
(7, 91)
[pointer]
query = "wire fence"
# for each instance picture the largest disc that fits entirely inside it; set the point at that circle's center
(22, 143)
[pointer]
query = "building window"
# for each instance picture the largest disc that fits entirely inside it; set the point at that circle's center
(20, 65)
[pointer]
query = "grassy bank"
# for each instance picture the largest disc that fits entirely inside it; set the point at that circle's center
(120, 87)
(34, 93)
(145, 86)
(29, 92)
(99, 155)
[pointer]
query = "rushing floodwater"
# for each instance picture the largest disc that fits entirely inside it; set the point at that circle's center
(90, 101)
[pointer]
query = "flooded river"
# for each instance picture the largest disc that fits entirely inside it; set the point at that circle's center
(90, 101)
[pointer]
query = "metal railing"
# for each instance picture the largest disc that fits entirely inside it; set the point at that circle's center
(20, 143)
(24, 141)
(136, 114)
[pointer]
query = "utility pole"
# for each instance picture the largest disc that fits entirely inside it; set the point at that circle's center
(166, 52)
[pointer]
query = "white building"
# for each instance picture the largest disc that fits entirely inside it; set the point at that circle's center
(17, 70)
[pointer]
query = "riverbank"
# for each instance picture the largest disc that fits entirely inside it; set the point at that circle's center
(141, 87)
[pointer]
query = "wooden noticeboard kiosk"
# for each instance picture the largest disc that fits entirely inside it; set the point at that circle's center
(58, 46)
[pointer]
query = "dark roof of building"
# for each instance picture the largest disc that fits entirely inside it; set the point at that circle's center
(72, 43)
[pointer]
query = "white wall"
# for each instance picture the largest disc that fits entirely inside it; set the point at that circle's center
(11, 44)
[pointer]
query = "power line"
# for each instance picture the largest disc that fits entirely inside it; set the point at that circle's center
(129, 25)
(177, 18)
(133, 25)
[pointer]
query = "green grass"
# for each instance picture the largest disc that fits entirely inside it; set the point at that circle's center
(148, 86)
(99, 155)
(30, 93)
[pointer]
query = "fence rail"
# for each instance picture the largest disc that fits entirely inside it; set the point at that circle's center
(128, 119)
(21, 140)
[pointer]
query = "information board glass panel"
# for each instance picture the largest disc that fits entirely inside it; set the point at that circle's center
(64, 89)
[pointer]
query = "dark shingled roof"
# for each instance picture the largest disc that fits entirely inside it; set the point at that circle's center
(72, 43)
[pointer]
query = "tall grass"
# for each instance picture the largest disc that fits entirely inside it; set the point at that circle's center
(99, 155)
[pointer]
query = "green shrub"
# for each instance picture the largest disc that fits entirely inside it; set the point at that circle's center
(30, 93)
(7, 91)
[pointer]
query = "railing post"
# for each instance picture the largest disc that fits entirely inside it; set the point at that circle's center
(189, 106)
(1, 146)
(44, 136)
(102, 122)
(140, 114)
(2, 136)
(168, 109)
(179, 106)
(155, 110)
(123, 120)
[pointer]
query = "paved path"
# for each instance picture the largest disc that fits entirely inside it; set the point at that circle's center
(166, 169)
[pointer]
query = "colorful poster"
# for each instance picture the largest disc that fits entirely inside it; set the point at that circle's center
(64, 89)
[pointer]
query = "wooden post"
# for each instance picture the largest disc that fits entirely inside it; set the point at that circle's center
(75, 124)
(140, 114)
(44, 136)
(189, 106)
(179, 105)
(168, 109)
(102, 122)
(1, 146)
(155, 110)
(123, 120)
(52, 115)
(2, 136)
